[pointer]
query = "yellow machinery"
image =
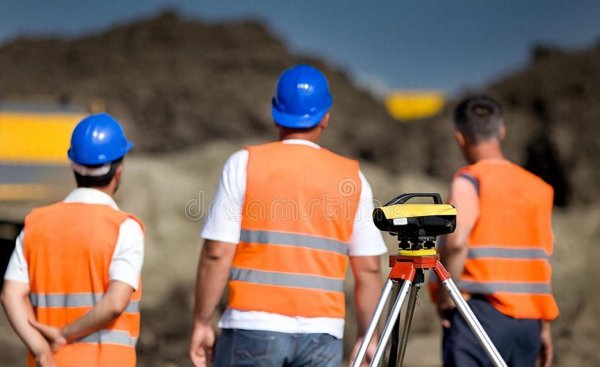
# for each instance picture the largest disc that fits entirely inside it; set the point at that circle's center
(34, 169)
(411, 105)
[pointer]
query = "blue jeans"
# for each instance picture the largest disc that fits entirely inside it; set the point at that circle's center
(517, 340)
(236, 347)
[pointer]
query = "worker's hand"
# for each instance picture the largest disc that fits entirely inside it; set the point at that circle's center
(446, 314)
(370, 351)
(445, 307)
(53, 334)
(201, 344)
(42, 354)
(45, 360)
(547, 350)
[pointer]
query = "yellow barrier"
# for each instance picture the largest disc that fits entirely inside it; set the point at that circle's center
(36, 136)
(18, 192)
(410, 105)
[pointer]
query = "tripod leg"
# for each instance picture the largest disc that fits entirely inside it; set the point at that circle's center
(389, 325)
(395, 337)
(473, 323)
(385, 294)
(410, 311)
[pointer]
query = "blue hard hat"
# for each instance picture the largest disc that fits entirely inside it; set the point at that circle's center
(98, 139)
(302, 98)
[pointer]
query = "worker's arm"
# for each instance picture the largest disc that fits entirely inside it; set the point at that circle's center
(110, 307)
(15, 299)
(212, 275)
(547, 350)
(367, 290)
(453, 247)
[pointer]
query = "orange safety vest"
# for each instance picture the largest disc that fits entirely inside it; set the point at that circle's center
(297, 219)
(511, 243)
(69, 248)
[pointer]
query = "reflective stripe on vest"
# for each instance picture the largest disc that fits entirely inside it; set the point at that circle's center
(74, 300)
(294, 263)
(501, 253)
(287, 280)
(115, 337)
(497, 287)
(293, 239)
(507, 253)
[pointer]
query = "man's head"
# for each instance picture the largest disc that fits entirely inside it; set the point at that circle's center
(479, 126)
(98, 146)
(302, 101)
(479, 119)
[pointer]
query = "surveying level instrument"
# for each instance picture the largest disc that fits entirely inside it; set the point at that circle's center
(416, 226)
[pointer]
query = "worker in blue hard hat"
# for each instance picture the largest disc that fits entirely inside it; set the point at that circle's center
(98, 146)
(287, 219)
(72, 287)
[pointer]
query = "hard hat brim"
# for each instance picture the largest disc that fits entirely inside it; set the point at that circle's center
(298, 122)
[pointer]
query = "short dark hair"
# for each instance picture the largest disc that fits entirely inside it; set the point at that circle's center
(290, 130)
(98, 181)
(479, 118)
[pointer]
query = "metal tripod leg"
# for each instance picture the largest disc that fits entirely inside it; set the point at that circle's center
(473, 323)
(385, 294)
(407, 272)
(389, 325)
(395, 337)
(410, 311)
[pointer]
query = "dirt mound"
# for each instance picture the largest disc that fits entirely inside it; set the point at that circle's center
(178, 83)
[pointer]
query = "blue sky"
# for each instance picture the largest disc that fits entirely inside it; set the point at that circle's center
(383, 44)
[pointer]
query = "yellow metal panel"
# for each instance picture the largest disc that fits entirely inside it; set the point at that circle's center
(410, 105)
(417, 210)
(36, 137)
(19, 192)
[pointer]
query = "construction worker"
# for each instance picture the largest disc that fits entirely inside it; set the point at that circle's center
(286, 218)
(500, 250)
(72, 287)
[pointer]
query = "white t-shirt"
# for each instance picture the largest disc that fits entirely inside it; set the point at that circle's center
(223, 224)
(128, 256)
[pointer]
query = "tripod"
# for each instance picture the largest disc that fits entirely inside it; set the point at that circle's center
(408, 273)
